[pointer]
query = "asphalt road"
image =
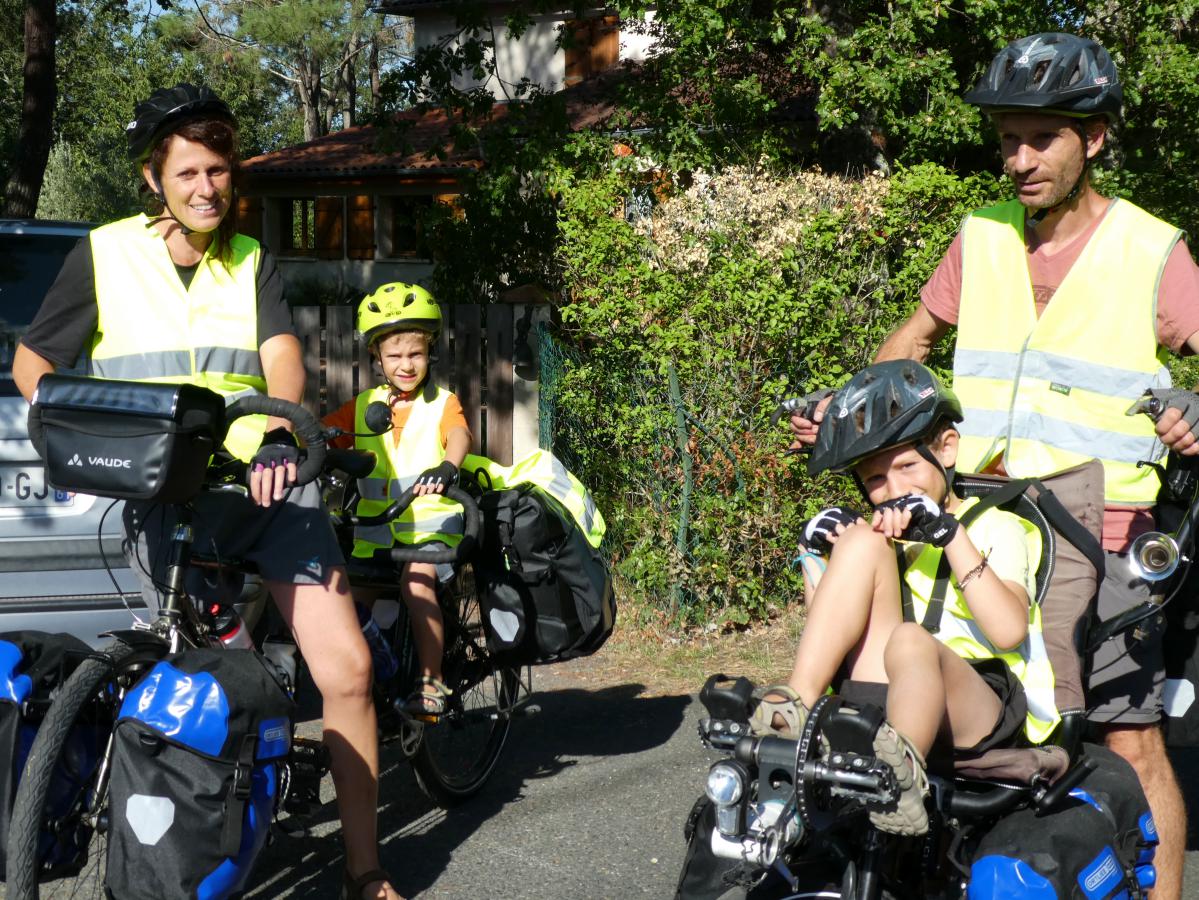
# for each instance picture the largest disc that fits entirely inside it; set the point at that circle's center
(587, 803)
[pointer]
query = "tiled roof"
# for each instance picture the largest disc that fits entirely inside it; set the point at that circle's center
(353, 153)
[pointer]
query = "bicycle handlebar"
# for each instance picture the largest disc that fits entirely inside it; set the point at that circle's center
(306, 425)
(470, 529)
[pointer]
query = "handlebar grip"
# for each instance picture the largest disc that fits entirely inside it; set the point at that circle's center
(470, 528)
(307, 428)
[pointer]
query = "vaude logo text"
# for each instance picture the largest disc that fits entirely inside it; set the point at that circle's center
(110, 462)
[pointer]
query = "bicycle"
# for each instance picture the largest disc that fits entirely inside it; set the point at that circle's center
(452, 759)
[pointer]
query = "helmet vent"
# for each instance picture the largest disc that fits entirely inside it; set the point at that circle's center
(859, 420)
(373, 306)
(1038, 72)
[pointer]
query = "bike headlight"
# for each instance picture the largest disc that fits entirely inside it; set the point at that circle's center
(726, 784)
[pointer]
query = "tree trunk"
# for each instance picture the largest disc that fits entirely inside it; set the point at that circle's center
(308, 88)
(376, 79)
(37, 113)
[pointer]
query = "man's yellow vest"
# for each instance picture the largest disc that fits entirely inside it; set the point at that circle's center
(1052, 392)
(1029, 662)
(545, 471)
(151, 328)
(397, 466)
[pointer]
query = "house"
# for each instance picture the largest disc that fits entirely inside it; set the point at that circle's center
(339, 212)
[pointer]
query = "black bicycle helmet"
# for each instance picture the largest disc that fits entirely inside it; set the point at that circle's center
(1051, 72)
(885, 405)
(165, 110)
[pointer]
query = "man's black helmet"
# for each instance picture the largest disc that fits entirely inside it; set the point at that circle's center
(165, 110)
(1051, 72)
(883, 406)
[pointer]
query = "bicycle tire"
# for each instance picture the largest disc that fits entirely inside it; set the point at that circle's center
(458, 754)
(79, 695)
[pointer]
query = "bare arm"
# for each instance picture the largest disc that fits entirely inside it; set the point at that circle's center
(28, 368)
(283, 367)
(457, 445)
(999, 607)
(915, 338)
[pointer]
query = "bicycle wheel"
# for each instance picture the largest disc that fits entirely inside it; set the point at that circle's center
(459, 753)
(89, 699)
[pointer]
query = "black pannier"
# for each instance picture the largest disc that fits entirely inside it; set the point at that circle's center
(33, 664)
(547, 592)
(125, 439)
(195, 770)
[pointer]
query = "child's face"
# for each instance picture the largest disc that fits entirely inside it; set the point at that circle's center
(902, 470)
(404, 358)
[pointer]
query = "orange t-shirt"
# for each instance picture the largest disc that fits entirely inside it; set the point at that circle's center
(1177, 322)
(343, 417)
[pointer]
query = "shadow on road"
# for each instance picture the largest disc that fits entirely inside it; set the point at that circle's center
(417, 838)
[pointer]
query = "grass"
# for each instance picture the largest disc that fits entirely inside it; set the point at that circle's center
(643, 650)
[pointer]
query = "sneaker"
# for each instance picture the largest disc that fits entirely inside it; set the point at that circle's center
(907, 816)
(782, 715)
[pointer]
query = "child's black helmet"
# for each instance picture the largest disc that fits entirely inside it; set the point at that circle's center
(165, 110)
(1051, 72)
(884, 405)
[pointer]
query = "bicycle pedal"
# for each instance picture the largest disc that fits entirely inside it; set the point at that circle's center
(526, 711)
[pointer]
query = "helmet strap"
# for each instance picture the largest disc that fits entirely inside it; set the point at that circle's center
(169, 216)
(923, 449)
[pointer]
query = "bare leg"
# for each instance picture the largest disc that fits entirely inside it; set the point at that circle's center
(1143, 747)
(855, 608)
(929, 681)
(322, 619)
(418, 588)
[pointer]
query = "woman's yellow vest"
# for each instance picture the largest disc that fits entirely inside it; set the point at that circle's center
(1052, 392)
(1029, 662)
(152, 328)
(397, 466)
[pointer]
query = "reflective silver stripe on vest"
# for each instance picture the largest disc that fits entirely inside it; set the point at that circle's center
(135, 366)
(399, 485)
(1082, 440)
(449, 523)
(237, 395)
(229, 359)
(374, 534)
(377, 488)
(1003, 366)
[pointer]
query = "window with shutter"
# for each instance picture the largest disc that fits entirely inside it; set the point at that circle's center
(360, 235)
(595, 47)
(330, 227)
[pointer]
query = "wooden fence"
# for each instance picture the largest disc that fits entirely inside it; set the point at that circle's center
(472, 358)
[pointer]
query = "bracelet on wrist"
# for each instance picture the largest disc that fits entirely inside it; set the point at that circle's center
(972, 574)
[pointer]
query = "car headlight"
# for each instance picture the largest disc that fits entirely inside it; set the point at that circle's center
(726, 783)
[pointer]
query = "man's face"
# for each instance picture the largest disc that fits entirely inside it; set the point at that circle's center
(197, 184)
(1044, 154)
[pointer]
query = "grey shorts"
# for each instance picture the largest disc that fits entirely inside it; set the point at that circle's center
(291, 542)
(1127, 675)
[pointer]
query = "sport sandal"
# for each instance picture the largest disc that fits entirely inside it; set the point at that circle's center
(784, 715)
(424, 705)
(907, 816)
(352, 887)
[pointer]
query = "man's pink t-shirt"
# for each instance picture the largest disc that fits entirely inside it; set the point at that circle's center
(1177, 321)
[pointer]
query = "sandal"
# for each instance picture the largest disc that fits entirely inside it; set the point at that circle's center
(427, 706)
(352, 887)
(782, 716)
(907, 816)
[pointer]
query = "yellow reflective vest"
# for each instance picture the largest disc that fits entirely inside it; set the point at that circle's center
(1049, 393)
(1029, 662)
(397, 466)
(151, 328)
(545, 471)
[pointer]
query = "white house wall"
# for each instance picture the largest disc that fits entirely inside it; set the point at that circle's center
(534, 55)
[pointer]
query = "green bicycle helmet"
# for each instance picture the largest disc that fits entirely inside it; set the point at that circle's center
(883, 406)
(398, 306)
(1051, 72)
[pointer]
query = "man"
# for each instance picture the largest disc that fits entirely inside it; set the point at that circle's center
(1064, 302)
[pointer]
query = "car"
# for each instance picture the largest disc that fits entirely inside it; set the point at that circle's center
(61, 564)
(60, 553)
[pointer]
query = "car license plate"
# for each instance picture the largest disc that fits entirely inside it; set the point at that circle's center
(26, 486)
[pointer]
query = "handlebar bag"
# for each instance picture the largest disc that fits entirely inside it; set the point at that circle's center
(198, 750)
(126, 439)
(32, 665)
(547, 592)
